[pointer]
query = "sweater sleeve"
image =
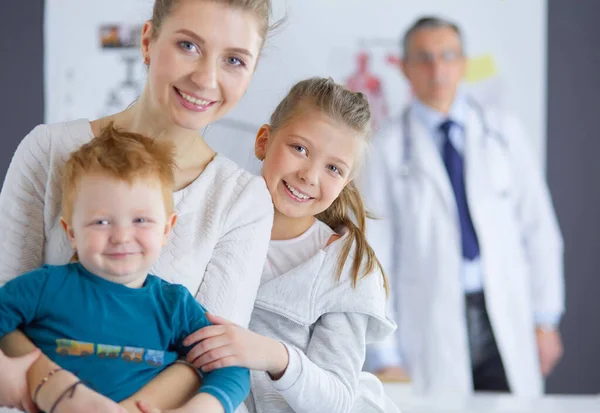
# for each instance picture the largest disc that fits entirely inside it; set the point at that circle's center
(230, 385)
(233, 273)
(385, 353)
(22, 206)
(326, 377)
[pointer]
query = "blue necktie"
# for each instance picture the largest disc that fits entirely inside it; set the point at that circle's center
(455, 168)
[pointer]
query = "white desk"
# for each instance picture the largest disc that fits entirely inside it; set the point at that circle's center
(485, 403)
(490, 403)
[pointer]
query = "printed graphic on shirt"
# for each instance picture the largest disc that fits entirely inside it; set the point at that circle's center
(74, 348)
(104, 350)
(134, 354)
(155, 357)
(66, 347)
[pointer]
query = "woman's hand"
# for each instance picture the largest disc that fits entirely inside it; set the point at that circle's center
(226, 344)
(14, 391)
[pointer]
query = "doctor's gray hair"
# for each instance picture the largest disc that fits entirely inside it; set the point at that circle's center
(428, 22)
(348, 210)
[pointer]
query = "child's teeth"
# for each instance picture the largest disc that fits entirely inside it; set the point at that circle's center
(296, 193)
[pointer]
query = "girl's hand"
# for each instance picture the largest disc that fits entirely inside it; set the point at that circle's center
(14, 391)
(226, 344)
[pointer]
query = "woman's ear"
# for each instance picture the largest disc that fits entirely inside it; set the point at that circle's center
(261, 143)
(147, 34)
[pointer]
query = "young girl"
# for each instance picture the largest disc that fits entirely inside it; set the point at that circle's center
(201, 55)
(322, 295)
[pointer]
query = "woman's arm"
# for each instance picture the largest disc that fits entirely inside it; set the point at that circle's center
(22, 228)
(13, 381)
(22, 206)
(232, 276)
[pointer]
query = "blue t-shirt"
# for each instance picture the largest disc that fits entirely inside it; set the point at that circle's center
(114, 337)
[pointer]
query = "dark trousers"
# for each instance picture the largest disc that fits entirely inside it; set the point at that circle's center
(488, 371)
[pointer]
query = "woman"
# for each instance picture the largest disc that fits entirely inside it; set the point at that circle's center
(201, 55)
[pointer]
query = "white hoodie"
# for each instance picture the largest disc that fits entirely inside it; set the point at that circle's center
(325, 323)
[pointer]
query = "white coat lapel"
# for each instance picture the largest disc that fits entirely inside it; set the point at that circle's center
(474, 161)
(428, 160)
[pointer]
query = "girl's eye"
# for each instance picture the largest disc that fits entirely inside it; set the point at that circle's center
(187, 46)
(335, 169)
(140, 220)
(234, 61)
(101, 222)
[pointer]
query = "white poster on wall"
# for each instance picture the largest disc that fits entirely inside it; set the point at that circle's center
(94, 66)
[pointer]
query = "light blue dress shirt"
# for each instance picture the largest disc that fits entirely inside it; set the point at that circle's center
(471, 272)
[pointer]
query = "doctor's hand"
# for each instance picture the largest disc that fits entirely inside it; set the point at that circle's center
(226, 344)
(393, 374)
(550, 349)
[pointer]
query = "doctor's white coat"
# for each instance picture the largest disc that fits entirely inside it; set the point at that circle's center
(418, 242)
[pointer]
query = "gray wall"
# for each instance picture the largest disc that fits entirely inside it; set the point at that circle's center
(573, 153)
(21, 73)
(573, 171)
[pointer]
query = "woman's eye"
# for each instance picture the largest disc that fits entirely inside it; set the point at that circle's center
(187, 46)
(300, 148)
(234, 61)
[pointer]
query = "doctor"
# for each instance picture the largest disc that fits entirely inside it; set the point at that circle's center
(468, 235)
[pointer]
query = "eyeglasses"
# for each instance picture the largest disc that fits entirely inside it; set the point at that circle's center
(447, 56)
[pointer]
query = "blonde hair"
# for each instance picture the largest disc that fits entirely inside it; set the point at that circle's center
(262, 9)
(352, 110)
(121, 155)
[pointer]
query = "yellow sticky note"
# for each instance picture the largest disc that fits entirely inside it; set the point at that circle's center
(480, 68)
